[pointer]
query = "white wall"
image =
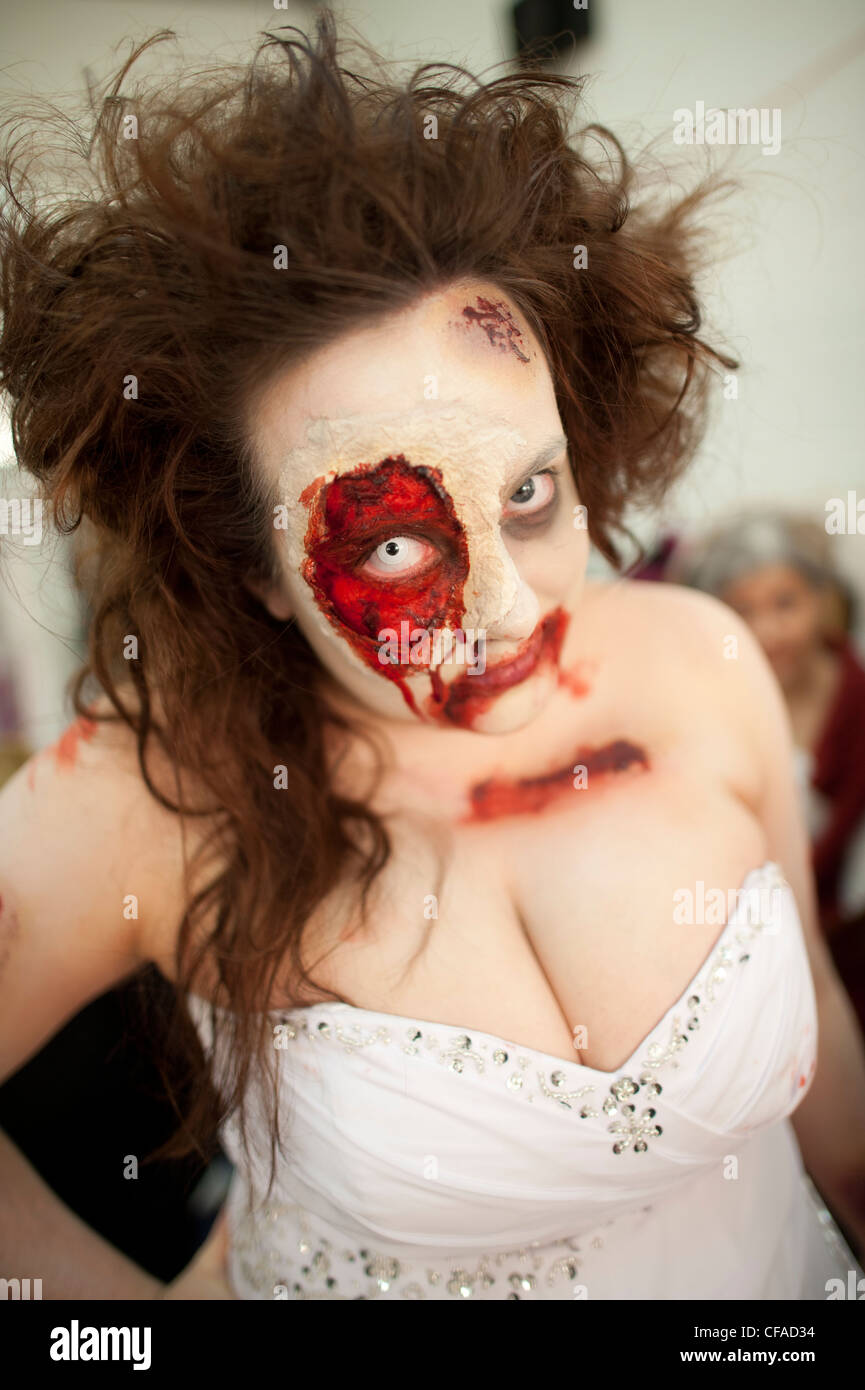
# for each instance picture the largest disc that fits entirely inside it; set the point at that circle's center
(790, 301)
(788, 295)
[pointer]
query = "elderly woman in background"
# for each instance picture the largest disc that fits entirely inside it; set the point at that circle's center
(778, 574)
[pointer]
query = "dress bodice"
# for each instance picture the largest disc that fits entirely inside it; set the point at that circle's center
(417, 1154)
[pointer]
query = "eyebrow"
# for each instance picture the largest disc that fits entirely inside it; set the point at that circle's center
(550, 451)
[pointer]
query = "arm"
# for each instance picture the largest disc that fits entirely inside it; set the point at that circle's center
(41, 1238)
(78, 834)
(40, 1233)
(830, 1121)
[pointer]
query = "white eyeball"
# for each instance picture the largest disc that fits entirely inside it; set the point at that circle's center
(535, 494)
(398, 553)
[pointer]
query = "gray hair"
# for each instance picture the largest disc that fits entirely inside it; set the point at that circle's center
(750, 541)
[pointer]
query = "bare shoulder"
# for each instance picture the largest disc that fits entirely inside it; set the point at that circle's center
(699, 653)
(82, 806)
(90, 866)
(702, 635)
(683, 618)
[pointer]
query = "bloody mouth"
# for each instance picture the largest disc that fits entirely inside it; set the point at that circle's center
(513, 669)
(471, 695)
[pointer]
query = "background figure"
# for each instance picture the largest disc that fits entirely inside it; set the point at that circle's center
(777, 572)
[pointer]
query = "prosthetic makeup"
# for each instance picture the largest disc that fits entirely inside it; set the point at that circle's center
(497, 321)
(391, 563)
(429, 546)
(499, 797)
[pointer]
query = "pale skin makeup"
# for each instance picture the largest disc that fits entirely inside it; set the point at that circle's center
(423, 477)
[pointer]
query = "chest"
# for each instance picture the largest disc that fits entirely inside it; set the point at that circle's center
(570, 929)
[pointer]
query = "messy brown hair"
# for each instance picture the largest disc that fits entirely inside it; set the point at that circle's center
(162, 270)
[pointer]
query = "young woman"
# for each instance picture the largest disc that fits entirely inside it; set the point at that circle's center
(483, 885)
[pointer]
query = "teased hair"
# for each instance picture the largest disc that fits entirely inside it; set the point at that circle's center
(162, 267)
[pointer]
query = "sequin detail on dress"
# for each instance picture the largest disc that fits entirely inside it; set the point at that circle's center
(330, 1271)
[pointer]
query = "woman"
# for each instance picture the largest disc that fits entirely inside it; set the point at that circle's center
(343, 405)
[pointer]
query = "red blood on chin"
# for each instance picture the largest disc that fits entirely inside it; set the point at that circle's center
(470, 696)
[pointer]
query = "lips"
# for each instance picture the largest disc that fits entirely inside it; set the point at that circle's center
(471, 695)
(514, 668)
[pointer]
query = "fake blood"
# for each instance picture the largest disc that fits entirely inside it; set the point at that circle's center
(498, 323)
(574, 682)
(527, 795)
(470, 696)
(352, 515)
(348, 518)
(65, 748)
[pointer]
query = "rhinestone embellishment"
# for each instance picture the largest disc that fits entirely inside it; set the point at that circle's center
(262, 1243)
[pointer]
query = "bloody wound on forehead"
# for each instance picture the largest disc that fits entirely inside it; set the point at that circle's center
(498, 323)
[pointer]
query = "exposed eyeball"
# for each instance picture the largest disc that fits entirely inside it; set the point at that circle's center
(398, 555)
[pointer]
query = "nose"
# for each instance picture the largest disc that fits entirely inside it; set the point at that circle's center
(766, 628)
(504, 607)
(521, 619)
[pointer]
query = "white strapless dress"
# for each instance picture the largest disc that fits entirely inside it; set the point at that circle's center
(430, 1161)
